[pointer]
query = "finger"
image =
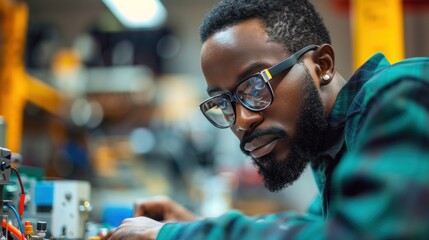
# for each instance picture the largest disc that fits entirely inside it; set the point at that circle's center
(141, 205)
(154, 210)
(107, 235)
(138, 210)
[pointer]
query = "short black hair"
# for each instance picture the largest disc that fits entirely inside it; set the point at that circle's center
(293, 23)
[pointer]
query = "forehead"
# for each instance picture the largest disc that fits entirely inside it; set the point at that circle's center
(241, 48)
(236, 37)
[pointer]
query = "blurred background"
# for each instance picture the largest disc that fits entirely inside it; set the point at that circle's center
(95, 95)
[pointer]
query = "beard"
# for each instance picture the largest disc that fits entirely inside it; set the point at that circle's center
(311, 125)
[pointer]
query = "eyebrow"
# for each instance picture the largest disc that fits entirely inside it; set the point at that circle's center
(250, 71)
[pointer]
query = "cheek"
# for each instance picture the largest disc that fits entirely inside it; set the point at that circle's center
(286, 106)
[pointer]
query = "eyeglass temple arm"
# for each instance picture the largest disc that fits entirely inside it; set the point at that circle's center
(268, 74)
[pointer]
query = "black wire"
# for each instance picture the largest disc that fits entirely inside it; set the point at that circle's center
(19, 179)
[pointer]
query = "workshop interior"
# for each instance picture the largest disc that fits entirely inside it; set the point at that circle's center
(99, 108)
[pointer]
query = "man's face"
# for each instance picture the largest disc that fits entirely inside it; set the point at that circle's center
(283, 138)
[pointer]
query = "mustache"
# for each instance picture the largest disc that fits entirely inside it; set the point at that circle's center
(250, 136)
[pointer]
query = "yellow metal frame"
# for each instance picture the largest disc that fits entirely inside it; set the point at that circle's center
(17, 87)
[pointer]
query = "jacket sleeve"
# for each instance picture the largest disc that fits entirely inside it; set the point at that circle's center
(235, 225)
(379, 190)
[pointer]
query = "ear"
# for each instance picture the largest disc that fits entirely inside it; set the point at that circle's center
(324, 58)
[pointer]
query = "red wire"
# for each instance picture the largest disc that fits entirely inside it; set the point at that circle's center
(22, 198)
(21, 204)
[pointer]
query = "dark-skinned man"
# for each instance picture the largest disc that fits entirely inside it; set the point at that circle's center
(271, 77)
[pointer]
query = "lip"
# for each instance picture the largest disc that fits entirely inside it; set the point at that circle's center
(261, 146)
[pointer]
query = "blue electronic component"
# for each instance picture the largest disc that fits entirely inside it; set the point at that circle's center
(44, 194)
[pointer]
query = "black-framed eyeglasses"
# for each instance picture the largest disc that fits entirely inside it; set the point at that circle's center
(254, 93)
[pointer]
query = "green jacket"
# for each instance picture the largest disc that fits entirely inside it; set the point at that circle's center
(374, 177)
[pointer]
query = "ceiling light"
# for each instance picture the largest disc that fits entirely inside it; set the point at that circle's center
(138, 13)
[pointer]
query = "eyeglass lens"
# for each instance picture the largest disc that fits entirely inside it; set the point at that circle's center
(219, 111)
(253, 93)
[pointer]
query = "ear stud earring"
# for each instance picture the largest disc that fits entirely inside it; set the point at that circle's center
(326, 77)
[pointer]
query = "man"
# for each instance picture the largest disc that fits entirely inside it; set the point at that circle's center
(270, 71)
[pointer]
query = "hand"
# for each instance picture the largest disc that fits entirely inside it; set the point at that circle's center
(140, 228)
(163, 209)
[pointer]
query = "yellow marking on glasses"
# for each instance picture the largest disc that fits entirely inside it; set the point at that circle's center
(266, 75)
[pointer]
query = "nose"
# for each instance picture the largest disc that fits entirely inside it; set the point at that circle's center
(246, 119)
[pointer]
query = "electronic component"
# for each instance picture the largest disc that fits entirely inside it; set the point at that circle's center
(5, 155)
(70, 209)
